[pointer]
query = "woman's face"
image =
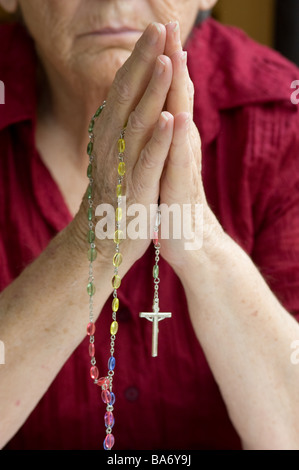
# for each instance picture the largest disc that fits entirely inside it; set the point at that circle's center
(93, 38)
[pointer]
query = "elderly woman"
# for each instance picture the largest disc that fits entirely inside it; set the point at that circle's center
(226, 376)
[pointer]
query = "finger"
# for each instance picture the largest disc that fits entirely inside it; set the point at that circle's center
(148, 169)
(178, 169)
(173, 40)
(180, 96)
(146, 114)
(133, 77)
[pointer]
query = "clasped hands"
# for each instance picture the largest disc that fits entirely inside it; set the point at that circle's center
(153, 94)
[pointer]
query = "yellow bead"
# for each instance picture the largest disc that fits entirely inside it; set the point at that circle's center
(121, 168)
(118, 236)
(115, 304)
(118, 190)
(118, 214)
(117, 259)
(116, 281)
(121, 145)
(114, 328)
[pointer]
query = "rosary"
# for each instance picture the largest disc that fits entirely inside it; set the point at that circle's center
(106, 383)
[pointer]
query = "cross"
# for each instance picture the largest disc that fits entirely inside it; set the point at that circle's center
(155, 317)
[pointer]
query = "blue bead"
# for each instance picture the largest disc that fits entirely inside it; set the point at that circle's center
(111, 363)
(112, 401)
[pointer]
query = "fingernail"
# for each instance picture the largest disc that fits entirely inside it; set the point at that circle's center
(154, 33)
(163, 120)
(160, 66)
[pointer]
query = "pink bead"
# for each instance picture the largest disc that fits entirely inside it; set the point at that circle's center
(106, 396)
(94, 372)
(109, 418)
(103, 381)
(91, 349)
(91, 328)
(109, 441)
(156, 238)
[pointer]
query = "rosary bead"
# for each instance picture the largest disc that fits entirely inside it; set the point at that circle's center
(94, 372)
(109, 442)
(112, 399)
(89, 148)
(117, 259)
(106, 396)
(121, 145)
(118, 214)
(121, 168)
(91, 349)
(114, 328)
(118, 190)
(118, 236)
(89, 171)
(103, 381)
(91, 328)
(90, 236)
(91, 126)
(115, 305)
(89, 213)
(116, 281)
(109, 419)
(111, 363)
(92, 254)
(91, 289)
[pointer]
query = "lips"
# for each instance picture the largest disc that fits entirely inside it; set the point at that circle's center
(112, 31)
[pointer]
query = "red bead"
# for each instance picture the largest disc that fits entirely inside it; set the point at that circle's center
(156, 239)
(106, 396)
(103, 381)
(91, 328)
(94, 372)
(109, 441)
(91, 349)
(109, 418)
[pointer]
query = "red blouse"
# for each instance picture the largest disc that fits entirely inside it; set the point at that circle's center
(249, 130)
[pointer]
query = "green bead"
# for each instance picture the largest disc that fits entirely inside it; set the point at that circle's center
(92, 254)
(89, 148)
(91, 289)
(156, 271)
(91, 126)
(89, 213)
(98, 111)
(89, 192)
(90, 236)
(89, 171)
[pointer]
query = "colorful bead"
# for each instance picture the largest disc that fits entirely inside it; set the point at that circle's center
(89, 213)
(118, 214)
(111, 363)
(112, 399)
(92, 254)
(89, 148)
(103, 381)
(91, 126)
(116, 281)
(99, 110)
(118, 236)
(91, 328)
(91, 349)
(117, 259)
(121, 145)
(89, 171)
(121, 168)
(106, 396)
(109, 419)
(155, 239)
(114, 328)
(118, 190)
(89, 192)
(94, 372)
(91, 236)
(109, 442)
(115, 304)
(91, 289)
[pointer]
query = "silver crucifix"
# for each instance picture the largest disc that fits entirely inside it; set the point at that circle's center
(155, 317)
